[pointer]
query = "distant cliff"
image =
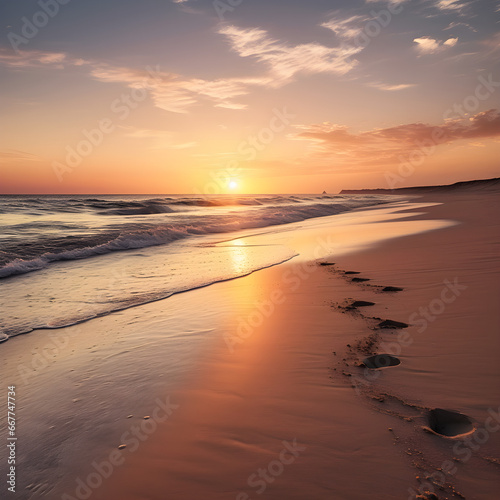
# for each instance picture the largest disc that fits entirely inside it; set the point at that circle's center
(479, 184)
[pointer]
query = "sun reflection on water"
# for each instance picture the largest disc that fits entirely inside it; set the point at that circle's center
(239, 256)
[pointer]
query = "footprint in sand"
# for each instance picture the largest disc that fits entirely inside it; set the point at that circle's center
(360, 280)
(392, 289)
(380, 361)
(352, 272)
(361, 303)
(449, 423)
(389, 323)
(353, 306)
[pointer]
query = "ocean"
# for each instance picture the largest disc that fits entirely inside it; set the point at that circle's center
(67, 259)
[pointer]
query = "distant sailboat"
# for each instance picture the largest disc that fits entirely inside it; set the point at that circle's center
(324, 192)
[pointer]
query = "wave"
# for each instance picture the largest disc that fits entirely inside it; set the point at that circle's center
(25, 257)
(170, 205)
(130, 241)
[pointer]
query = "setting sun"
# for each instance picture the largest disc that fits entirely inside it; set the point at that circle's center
(233, 185)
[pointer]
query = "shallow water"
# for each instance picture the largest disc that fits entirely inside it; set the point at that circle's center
(67, 259)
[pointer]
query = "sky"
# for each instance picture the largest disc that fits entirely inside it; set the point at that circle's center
(246, 96)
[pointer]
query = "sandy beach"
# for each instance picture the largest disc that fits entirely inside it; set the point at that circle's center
(252, 388)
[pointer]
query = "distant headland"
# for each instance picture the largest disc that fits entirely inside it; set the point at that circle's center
(477, 184)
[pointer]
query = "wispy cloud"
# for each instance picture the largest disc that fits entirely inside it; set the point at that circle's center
(383, 146)
(454, 5)
(175, 93)
(347, 28)
(285, 61)
(391, 87)
(13, 155)
(31, 59)
(428, 45)
(461, 8)
(458, 25)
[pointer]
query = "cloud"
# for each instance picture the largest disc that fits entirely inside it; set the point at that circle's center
(457, 25)
(8, 156)
(348, 28)
(461, 8)
(285, 61)
(454, 5)
(31, 58)
(171, 91)
(391, 87)
(385, 146)
(451, 42)
(428, 45)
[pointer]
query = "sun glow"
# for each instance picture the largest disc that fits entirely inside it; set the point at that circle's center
(233, 185)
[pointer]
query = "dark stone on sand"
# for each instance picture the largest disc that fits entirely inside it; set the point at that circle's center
(352, 272)
(362, 303)
(360, 280)
(389, 323)
(449, 423)
(380, 361)
(392, 289)
(327, 263)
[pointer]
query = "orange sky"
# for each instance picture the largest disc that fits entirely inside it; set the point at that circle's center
(265, 97)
